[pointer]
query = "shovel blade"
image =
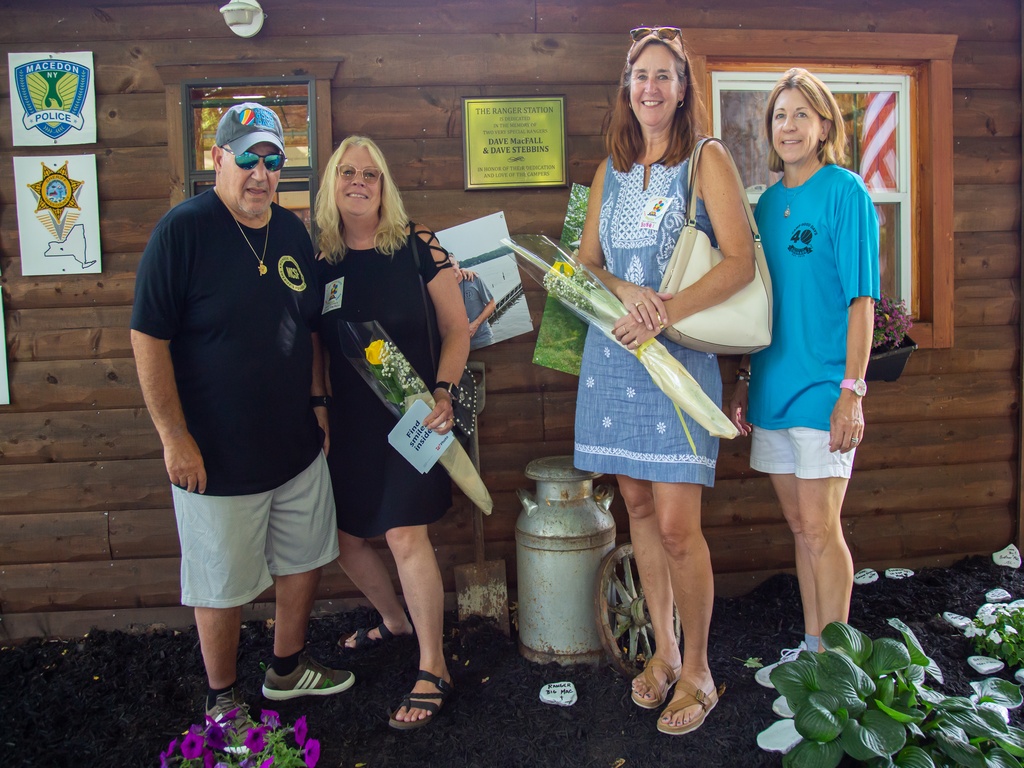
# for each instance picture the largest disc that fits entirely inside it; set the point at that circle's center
(481, 591)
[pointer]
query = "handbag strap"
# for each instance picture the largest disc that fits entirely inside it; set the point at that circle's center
(691, 208)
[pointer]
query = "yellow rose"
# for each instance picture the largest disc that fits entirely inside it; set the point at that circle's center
(563, 267)
(375, 351)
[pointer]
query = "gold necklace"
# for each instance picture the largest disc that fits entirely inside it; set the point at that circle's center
(262, 267)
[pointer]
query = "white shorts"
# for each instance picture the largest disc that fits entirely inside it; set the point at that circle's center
(233, 546)
(799, 451)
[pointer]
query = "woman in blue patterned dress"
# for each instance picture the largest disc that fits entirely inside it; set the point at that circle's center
(624, 424)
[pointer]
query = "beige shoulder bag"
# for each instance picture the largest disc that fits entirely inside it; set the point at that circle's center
(743, 322)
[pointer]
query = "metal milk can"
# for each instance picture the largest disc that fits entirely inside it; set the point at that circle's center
(562, 535)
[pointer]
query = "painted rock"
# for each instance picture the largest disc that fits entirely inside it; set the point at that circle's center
(865, 576)
(986, 609)
(997, 595)
(559, 694)
(1008, 557)
(781, 707)
(958, 621)
(780, 736)
(985, 665)
(1019, 676)
(898, 573)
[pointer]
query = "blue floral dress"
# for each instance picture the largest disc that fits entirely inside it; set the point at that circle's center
(624, 424)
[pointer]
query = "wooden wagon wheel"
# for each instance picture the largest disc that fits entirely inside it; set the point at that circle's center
(621, 610)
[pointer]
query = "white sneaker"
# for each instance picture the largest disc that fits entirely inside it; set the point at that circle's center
(789, 654)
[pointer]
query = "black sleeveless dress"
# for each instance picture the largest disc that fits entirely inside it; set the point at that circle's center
(375, 488)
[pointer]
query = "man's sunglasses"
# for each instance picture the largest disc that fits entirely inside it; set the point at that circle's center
(248, 160)
(662, 33)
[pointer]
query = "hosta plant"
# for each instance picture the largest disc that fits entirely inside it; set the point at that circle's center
(999, 632)
(866, 702)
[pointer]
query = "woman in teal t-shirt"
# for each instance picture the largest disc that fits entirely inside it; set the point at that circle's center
(820, 235)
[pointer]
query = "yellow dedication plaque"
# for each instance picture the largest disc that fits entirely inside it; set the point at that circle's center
(515, 142)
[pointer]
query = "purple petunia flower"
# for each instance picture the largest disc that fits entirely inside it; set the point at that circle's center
(215, 736)
(301, 730)
(267, 763)
(254, 740)
(166, 754)
(192, 745)
(270, 718)
(311, 753)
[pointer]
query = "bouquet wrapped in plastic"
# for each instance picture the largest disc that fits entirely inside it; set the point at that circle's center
(388, 373)
(563, 276)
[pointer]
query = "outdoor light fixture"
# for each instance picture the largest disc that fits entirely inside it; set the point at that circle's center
(243, 17)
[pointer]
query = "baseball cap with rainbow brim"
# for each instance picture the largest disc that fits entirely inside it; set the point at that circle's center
(245, 125)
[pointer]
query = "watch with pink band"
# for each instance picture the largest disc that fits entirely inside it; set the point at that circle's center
(859, 387)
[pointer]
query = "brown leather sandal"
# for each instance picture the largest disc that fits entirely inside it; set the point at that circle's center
(671, 677)
(692, 696)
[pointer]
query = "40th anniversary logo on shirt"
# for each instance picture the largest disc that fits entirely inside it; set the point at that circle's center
(52, 98)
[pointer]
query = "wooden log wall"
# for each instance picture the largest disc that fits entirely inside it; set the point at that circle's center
(87, 534)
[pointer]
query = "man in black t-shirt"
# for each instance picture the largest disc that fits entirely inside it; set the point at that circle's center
(224, 302)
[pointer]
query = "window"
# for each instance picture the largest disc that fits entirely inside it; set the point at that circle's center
(294, 103)
(875, 108)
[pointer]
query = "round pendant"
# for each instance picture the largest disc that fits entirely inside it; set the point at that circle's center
(786, 214)
(263, 267)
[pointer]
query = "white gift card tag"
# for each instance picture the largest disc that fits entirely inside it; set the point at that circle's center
(780, 736)
(559, 694)
(985, 665)
(958, 621)
(998, 595)
(781, 707)
(865, 576)
(422, 447)
(898, 573)
(1008, 557)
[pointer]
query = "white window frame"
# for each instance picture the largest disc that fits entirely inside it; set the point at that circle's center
(722, 81)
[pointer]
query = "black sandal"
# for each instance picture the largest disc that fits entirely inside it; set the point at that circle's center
(431, 702)
(363, 639)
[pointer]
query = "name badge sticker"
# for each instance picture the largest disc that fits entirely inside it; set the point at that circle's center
(332, 295)
(654, 211)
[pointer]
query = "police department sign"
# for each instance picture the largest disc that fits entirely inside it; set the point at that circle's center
(52, 98)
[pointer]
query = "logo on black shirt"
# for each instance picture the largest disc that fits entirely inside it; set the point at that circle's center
(290, 273)
(801, 242)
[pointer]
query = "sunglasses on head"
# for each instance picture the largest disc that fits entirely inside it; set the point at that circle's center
(662, 33)
(348, 174)
(248, 160)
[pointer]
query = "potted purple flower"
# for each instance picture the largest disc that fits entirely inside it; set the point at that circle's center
(891, 347)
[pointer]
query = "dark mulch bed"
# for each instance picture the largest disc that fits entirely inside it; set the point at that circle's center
(118, 698)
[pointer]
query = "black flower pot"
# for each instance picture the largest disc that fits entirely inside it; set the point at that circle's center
(887, 363)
